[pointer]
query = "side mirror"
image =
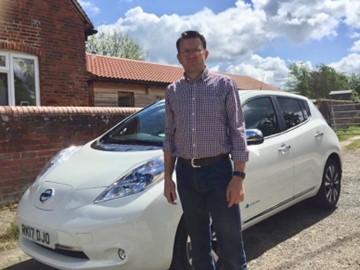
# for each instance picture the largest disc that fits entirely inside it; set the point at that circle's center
(254, 136)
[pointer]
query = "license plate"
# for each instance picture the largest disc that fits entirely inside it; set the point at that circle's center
(36, 235)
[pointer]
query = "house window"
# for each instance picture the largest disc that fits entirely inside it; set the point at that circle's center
(3, 89)
(2, 61)
(19, 79)
(126, 99)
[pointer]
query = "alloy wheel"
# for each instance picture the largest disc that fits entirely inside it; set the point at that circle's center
(332, 183)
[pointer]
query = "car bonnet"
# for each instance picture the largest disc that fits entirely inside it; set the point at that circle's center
(91, 168)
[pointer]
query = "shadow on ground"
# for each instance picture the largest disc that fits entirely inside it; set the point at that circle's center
(29, 265)
(275, 230)
(258, 239)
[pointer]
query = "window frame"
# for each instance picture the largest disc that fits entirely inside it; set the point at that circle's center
(298, 101)
(5, 70)
(305, 107)
(276, 110)
(6, 67)
(130, 94)
(9, 70)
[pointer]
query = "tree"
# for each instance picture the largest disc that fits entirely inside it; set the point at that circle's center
(324, 80)
(319, 82)
(299, 79)
(355, 83)
(114, 44)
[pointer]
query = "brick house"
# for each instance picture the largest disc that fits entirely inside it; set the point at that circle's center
(43, 61)
(42, 53)
(128, 83)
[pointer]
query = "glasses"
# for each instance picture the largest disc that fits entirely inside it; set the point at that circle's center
(191, 52)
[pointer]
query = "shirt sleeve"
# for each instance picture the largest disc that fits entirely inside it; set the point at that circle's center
(169, 141)
(236, 125)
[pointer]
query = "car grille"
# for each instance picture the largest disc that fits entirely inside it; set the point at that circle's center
(66, 252)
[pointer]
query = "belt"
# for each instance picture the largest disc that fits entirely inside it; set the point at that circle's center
(202, 162)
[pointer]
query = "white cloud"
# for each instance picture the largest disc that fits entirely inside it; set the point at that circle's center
(236, 35)
(355, 35)
(350, 64)
(260, 4)
(306, 64)
(356, 47)
(235, 32)
(352, 13)
(271, 70)
(303, 19)
(89, 6)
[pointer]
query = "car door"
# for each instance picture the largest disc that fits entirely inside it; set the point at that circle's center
(270, 168)
(305, 136)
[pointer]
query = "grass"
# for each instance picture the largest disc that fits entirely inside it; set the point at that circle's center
(9, 238)
(12, 232)
(344, 134)
(354, 145)
(9, 232)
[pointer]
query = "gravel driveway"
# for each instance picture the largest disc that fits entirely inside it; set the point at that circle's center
(300, 238)
(304, 237)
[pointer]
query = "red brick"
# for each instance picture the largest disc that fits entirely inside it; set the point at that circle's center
(58, 41)
(51, 129)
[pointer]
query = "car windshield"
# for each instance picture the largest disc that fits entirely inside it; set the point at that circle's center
(143, 128)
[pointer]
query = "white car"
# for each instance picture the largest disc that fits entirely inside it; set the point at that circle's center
(101, 205)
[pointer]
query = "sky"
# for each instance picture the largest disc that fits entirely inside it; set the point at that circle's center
(257, 38)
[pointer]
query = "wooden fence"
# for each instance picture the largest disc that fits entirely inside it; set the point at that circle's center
(339, 113)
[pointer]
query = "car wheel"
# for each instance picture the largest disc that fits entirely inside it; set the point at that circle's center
(182, 258)
(329, 192)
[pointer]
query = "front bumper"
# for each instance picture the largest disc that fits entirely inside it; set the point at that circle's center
(90, 236)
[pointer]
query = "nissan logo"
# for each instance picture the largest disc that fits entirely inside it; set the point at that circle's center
(47, 194)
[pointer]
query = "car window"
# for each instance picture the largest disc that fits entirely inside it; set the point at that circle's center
(260, 114)
(292, 111)
(305, 108)
(143, 128)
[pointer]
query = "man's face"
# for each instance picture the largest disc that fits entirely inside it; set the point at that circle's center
(192, 55)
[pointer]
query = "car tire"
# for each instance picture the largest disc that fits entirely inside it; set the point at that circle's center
(329, 191)
(181, 259)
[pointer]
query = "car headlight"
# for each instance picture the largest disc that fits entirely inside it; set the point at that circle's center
(135, 181)
(60, 157)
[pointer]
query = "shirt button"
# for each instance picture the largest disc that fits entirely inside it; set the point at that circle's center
(194, 145)
(193, 129)
(193, 99)
(193, 114)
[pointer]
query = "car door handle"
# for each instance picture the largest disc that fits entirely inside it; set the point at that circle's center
(319, 134)
(284, 148)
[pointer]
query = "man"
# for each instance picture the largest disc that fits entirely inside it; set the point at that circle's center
(204, 124)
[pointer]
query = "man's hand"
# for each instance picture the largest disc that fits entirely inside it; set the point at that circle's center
(235, 191)
(170, 191)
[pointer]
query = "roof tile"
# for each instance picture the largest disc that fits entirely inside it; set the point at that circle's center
(106, 67)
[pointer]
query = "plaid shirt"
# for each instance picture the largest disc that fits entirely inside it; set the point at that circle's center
(204, 118)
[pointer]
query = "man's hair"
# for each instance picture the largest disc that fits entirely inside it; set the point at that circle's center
(190, 34)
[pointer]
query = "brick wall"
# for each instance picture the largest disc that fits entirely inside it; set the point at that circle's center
(30, 136)
(55, 32)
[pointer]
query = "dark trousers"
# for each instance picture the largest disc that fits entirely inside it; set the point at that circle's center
(202, 193)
